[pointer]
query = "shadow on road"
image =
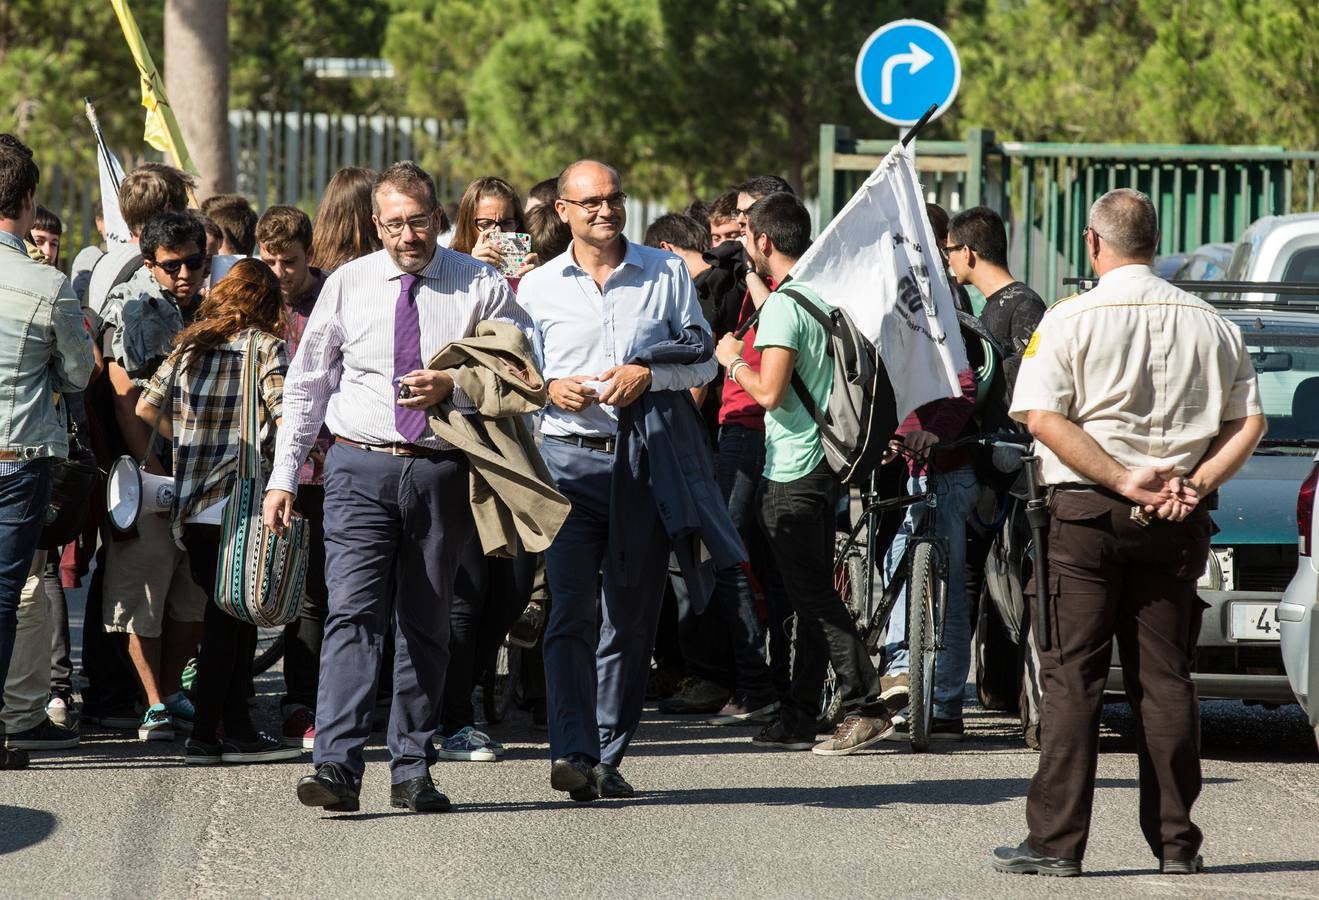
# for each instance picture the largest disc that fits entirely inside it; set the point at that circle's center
(1252, 868)
(21, 827)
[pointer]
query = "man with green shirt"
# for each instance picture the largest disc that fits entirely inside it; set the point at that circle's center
(800, 491)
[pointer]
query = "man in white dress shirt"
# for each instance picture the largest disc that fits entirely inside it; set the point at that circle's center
(396, 497)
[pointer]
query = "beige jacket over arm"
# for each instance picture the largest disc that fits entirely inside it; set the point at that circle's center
(513, 497)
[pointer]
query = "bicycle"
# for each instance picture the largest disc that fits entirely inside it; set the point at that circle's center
(924, 561)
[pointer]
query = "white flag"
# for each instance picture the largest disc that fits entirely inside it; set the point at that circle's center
(878, 262)
(111, 176)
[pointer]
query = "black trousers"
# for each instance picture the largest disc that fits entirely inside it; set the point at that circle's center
(112, 685)
(798, 517)
(489, 594)
(304, 635)
(224, 663)
(1110, 578)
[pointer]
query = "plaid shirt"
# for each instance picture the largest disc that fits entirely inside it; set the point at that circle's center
(207, 416)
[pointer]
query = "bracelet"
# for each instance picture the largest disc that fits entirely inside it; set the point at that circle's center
(738, 363)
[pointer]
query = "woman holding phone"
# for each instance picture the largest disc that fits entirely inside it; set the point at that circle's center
(489, 210)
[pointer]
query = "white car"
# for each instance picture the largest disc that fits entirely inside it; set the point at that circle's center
(1298, 610)
(1277, 248)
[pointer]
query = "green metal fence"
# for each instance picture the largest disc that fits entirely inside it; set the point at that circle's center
(1204, 194)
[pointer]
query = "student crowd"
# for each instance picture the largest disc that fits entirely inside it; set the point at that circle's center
(601, 451)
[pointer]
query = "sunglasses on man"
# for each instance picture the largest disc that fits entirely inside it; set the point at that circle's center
(194, 263)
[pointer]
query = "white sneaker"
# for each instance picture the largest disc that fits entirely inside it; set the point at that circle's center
(57, 710)
(467, 745)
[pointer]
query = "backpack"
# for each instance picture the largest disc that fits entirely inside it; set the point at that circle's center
(862, 412)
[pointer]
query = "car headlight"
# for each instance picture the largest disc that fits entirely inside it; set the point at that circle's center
(1220, 571)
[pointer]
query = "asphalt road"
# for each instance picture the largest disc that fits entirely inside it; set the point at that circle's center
(715, 816)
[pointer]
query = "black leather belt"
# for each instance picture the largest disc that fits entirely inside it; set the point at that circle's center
(605, 444)
(410, 451)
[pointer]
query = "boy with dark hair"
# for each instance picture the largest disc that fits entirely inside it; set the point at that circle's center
(724, 225)
(800, 493)
(283, 236)
(237, 220)
(682, 235)
(977, 254)
(149, 591)
(46, 234)
(147, 191)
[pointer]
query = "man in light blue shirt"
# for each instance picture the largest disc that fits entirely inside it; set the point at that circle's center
(595, 307)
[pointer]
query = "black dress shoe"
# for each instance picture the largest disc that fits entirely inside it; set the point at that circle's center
(573, 774)
(1193, 866)
(1022, 860)
(609, 784)
(419, 795)
(330, 788)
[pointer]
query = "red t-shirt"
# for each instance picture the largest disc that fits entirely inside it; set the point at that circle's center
(737, 406)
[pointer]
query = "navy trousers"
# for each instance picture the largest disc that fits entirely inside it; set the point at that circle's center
(395, 529)
(595, 676)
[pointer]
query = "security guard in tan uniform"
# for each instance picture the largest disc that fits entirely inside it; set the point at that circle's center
(1142, 400)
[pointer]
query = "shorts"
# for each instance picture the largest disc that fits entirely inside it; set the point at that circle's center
(147, 577)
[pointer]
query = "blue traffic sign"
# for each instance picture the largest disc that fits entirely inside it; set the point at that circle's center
(906, 66)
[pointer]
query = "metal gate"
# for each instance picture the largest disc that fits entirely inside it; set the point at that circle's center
(1204, 194)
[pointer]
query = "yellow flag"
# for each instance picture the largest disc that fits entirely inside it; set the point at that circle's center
(162, 130)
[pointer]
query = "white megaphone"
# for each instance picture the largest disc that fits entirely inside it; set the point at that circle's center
(130, 491)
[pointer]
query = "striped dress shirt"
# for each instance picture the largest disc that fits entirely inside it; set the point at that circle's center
(343, 372)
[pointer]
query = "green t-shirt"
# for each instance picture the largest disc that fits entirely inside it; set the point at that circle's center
(792, 439)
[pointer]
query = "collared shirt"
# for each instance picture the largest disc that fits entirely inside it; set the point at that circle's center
(581, 330)
(297, 314)
(206, 410)
(1149, 371)
(343, 372)
(44, 349)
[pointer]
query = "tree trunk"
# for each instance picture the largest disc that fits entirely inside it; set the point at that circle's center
(197, 80)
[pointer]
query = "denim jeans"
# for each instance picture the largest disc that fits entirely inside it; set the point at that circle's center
(956, 492)
(23, 498)
(798, 517)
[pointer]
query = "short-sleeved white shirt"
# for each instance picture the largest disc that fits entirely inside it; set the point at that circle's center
(1146, 369)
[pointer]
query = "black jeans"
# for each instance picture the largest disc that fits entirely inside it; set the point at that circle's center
(489, 594)
(798, 517)
(112, 685)
(228, 644)
(304, 635)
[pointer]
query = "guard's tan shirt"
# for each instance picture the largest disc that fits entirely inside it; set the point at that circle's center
(1146, 369)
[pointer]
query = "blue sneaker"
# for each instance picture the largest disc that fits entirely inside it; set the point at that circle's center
(181, 710)
(156, 724)
(467, 745)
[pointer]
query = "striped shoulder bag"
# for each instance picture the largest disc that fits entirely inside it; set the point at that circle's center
(259, 577)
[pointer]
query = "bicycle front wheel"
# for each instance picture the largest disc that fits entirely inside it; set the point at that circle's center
(922, 599)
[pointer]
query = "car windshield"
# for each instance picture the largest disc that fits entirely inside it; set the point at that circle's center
(1286, 360)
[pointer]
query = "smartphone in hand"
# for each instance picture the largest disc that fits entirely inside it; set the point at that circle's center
(513, 247)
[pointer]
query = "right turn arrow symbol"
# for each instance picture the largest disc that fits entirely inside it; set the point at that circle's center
(917, 59)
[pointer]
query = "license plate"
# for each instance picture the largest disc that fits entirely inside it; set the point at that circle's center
(1254, 622)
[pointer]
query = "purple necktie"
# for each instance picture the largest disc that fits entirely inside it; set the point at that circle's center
(411, 423)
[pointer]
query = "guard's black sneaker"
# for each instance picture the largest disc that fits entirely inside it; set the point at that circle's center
(1022, 860)
(330, 787)
(260, 749)
(695, 695)
(777, 735)
(13, 759)
(1193, 866)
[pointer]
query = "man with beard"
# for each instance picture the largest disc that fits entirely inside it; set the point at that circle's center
(396, 497)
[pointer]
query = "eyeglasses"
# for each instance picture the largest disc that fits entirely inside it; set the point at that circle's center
(949, 249)
(195, 263)
(593, 204)
(501, 224)
(419, 224)
(1087, 231)
(742, 213)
